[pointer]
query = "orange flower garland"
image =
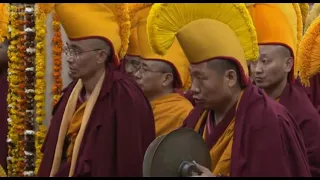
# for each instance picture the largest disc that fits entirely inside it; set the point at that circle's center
(16, 94)
(40, 80)
(57, 62)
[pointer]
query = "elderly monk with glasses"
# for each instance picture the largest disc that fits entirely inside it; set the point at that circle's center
(102, 124)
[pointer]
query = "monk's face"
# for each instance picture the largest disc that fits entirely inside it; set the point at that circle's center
(150, 77)
(132, 64)
(208, 86)
(3, 53)
(84, 59)
(272, 67)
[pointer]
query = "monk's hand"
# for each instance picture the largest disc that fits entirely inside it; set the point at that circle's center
(205, 171)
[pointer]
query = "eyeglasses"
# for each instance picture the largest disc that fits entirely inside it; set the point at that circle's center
(75, 54)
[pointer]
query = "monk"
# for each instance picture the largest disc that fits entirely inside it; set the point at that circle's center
(248, 133)
(102, 124)
(162, 79)
(3, 86)
(273, 72)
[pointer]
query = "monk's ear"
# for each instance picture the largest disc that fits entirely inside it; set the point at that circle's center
(102, 56)
(288, 65)
(168, 79)
(231, 77)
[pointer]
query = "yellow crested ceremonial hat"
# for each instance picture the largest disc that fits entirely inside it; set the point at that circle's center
(309, 50)
(277, 24)
(133, 48)
(205, 31)
(174, 56)
(304, 8)
(108, 21)
(4, 20)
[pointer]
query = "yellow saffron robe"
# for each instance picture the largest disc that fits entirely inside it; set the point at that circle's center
(74, 128)
(221, 151)
(169, 112)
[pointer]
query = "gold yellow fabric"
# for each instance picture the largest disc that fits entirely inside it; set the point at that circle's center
(2, 172)
(205, 31)
(304, 8)
(73, 129)
(294, 15)
(134, 14)
(4, 20)
(309, 52)
(169, 112)
(314, 13)
(221, 152)
(109, 21)
(133, 48)
(174, 56)
(272, 25)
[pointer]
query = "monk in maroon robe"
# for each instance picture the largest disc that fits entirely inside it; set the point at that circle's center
(103, 124)
(273, 72)
(3, 104)
(248, 133)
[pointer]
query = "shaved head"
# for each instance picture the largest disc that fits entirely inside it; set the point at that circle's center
(223, 65)
(97, 43)
(163, 66)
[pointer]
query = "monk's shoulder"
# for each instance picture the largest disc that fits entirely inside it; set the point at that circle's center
(265, 112)
(301, 100)
(126, 89)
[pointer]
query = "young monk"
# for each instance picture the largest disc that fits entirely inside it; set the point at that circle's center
(161, 77)
(3, 85)
(103, 123)
(273, 72)
(248, 133)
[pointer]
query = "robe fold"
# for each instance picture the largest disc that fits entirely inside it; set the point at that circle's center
(298, 104)
(3, 120)
(119, 130)
(169, 112)
(266, 139)
(313, 91)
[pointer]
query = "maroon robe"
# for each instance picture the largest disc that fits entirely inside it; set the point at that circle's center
(119, 131)
(313, 91)
(3, 120)
(306, 116)
(266, 142)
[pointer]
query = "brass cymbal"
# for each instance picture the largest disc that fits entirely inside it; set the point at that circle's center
(171, 155)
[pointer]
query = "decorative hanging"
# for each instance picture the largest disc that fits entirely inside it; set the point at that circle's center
(30, 53)
(40, 81)
(57, 62)
(16, 94)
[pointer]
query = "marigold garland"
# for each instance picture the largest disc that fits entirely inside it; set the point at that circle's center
(29, 149)
(16, 95)
(57, 62)
(40, 85)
